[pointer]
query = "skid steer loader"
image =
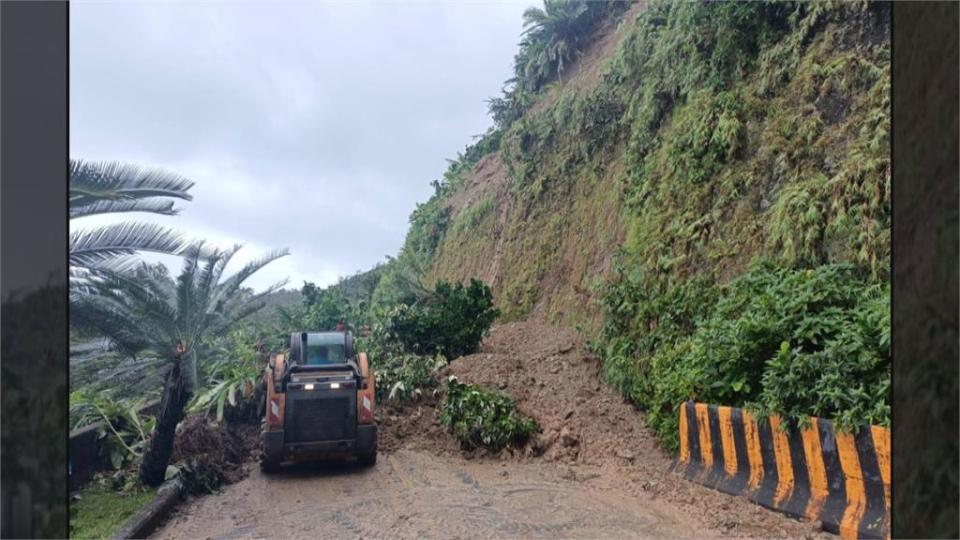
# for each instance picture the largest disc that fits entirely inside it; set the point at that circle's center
(319, 403)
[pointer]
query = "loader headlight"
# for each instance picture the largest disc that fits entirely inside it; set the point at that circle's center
(308, 387)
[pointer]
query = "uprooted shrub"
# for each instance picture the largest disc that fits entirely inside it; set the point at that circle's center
(478, 417)
(451, 321)
(406, 377)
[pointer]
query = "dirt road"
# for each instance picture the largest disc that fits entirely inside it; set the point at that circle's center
(593, 472)
(412, 494)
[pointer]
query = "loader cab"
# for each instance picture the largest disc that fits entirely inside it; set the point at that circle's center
(321, 348)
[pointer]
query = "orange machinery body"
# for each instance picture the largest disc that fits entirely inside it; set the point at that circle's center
(276, 398)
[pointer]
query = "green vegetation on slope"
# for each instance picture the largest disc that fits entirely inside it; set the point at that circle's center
(451, 321)
(794, 342)
(410, 342)
(772, 141)
(730, 150)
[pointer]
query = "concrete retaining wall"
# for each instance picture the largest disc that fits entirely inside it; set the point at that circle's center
(841, 479)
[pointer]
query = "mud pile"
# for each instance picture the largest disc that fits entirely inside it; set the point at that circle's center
(210, 454)
(554, 380)
(587, 429)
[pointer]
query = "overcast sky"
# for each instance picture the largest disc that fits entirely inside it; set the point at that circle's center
(311, 126)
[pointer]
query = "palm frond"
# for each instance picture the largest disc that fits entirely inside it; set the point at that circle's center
(187, 313)
(108, 206)
(251, 305)
(88, 248)
(138, 298)
(144, 309)
(97, 313)
(229, 287)
(212, 273)
(111, 180)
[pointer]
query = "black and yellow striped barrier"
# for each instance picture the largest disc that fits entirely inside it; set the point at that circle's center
(840, 479)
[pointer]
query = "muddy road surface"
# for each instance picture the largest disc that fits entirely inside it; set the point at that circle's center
(594, 471)
(414, 494)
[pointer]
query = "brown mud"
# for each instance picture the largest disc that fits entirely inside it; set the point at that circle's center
(593, 472)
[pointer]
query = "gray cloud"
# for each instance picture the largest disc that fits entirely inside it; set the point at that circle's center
(311, 126)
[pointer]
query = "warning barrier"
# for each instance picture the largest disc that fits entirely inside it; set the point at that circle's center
(841, 479)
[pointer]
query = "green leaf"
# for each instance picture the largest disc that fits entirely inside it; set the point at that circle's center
(171, 472)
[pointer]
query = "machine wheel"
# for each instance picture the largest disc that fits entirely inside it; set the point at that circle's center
(266, 465)
(368, 460)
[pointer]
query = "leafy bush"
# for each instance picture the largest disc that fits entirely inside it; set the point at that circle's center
(484, 418)
(123, 430)
(642, 317)
(406, 377)
(848, 379)
(450, 321)
(780, 341)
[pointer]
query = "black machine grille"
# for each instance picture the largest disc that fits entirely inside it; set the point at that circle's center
(321, 419)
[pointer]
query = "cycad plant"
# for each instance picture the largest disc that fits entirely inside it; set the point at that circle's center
(142, 310)
(98, 188)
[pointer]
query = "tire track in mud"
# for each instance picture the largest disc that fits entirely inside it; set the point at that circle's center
(413, 494)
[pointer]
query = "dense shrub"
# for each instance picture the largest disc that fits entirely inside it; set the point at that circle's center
(643, 317)
(792, 342)
(845, 377)
(450, 321)
(406, 376)
(484, 418)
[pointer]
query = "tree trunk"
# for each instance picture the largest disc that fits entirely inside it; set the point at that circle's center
(172, 405)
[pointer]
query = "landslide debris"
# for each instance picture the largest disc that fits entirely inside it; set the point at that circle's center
(586, 428)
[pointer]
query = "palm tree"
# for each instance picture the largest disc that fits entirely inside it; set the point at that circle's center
(142, 310)
(552, 37)
(113, 187)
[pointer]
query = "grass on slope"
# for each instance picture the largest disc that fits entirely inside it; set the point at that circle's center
(100, 511)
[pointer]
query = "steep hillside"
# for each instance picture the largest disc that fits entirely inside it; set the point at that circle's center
(704, 192)
(543, 257)
(696, 138)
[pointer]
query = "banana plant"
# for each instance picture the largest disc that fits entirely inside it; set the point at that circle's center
(234, 374)
(236, 383)
(123, 430)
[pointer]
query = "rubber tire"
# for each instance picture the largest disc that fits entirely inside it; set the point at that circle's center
(367, 460)
(266, 466)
